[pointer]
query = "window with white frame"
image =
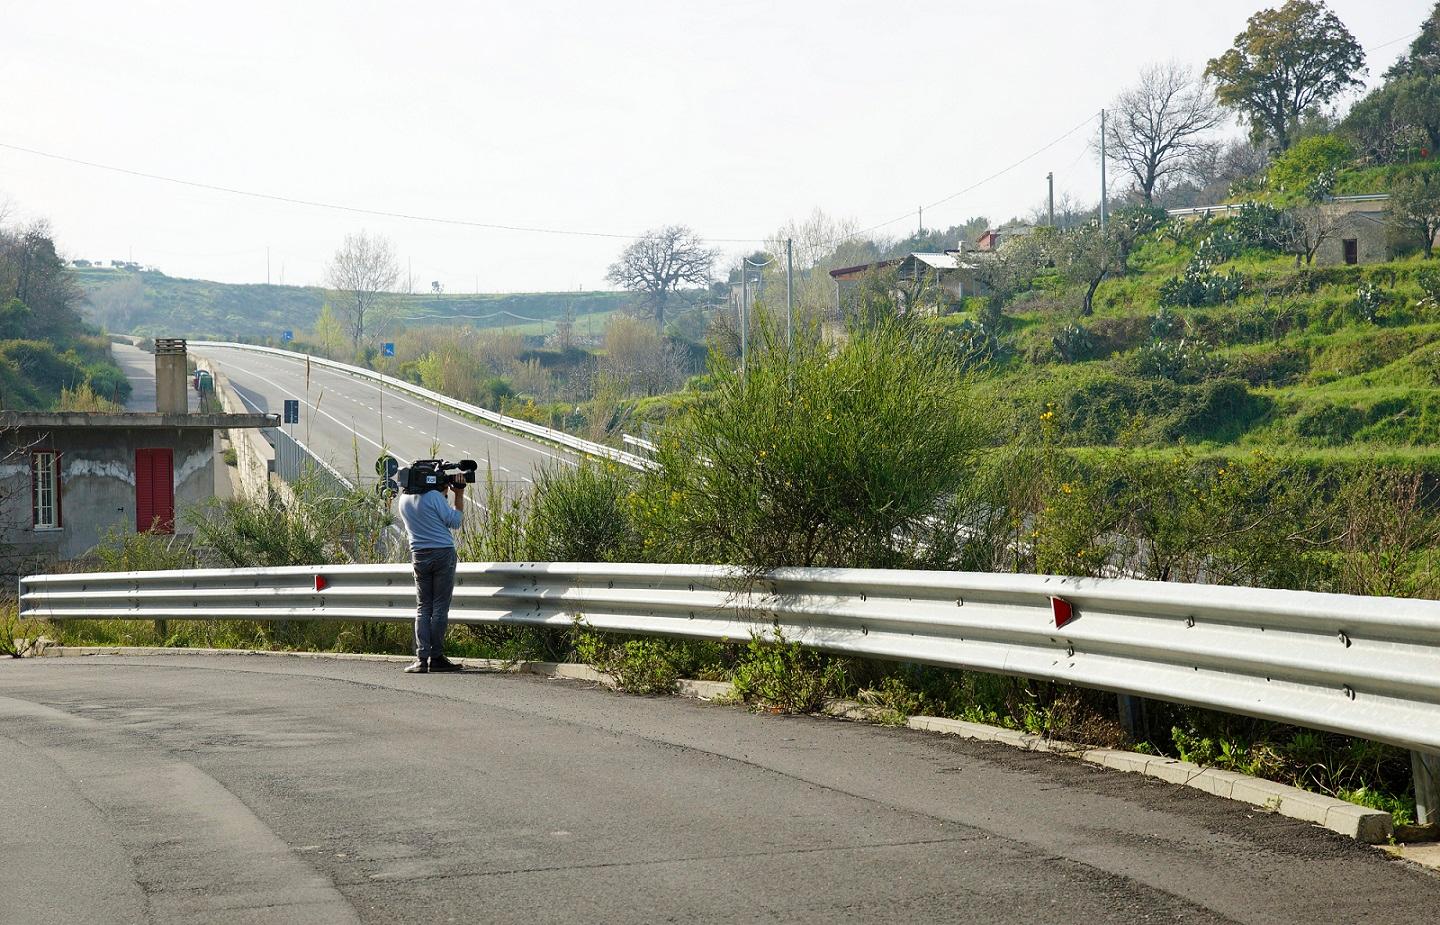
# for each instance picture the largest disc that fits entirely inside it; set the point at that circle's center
(45, 477)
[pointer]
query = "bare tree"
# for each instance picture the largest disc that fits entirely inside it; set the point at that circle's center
(657, 264)
(1306, 228)
(1161, 125)
(362, 270)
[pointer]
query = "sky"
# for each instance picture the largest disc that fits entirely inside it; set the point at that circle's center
(596, 116)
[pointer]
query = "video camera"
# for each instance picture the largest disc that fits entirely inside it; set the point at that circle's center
(424, 475)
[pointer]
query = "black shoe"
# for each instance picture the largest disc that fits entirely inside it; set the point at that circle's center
(419, 666)
(441, 663)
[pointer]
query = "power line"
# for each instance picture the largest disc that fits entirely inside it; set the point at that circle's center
(1393, 41)
(340, 207)
(977, 184)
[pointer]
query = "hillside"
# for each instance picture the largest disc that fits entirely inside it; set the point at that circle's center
(155, 304)
(1330, 363)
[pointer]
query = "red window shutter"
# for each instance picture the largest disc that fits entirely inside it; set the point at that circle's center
(144, 491)
(165, 491)
(155, 490)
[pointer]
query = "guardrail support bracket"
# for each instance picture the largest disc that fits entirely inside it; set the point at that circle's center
(1426, 768)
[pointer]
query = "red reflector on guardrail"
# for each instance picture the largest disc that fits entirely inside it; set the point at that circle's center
(321, 583)
(1064, 613)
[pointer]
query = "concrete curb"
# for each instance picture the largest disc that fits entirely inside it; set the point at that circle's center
(1371, 826)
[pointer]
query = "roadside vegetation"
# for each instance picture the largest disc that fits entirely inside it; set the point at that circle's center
(49, 356)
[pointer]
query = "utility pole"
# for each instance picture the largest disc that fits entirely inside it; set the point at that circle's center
(1104, 193)
(921, 230)
(1050, 179)
(267, 264)
(789, 293)
(744, 320)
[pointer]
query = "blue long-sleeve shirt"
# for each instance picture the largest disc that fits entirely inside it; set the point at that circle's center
(428, 518)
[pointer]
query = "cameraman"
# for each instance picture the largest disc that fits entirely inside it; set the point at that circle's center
(428, 521)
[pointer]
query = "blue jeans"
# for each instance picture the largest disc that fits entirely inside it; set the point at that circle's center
(434, 584)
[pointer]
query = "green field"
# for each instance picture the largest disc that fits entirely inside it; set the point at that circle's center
(154, 304)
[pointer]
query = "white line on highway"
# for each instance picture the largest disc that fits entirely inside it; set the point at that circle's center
(317, 410)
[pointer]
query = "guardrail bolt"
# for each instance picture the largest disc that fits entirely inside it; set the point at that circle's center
(1190, 622)
(1345, 639)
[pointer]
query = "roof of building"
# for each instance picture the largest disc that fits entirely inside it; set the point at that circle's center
(144, 419)
(846, 272)
(938, 261)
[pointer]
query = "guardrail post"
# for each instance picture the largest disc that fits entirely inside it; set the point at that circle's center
(162, 629)
(1132, 715)
(1426, 768)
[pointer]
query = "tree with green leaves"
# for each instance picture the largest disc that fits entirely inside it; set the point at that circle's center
(1287, 64)
(1415, 204)
(1423, 58)
(1090, 253)
(1403, 116)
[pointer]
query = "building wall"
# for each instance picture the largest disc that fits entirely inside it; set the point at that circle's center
(1367, 228)
(97, 483)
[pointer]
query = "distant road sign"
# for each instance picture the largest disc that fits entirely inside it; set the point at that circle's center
(386, 466)
(388, 350)
(292, 411)
(287, 336)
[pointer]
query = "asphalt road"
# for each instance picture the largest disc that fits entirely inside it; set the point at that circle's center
(200, 788)
(348, 420)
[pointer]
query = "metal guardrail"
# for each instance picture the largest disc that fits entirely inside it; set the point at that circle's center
(559, 437)
(1223, 208)
(1368, 667)
(296, 463)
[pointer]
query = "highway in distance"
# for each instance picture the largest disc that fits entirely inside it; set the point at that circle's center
(349, 421)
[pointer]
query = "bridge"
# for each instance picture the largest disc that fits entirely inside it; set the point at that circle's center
(348, 415)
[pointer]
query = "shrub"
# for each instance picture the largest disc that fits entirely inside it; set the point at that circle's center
(1200, 285)
(639, 666)
(1309, 168)
(1183, 361)
(818, 456)
(1428, 278)
(122, 550)
(1258, 225)
(976, 345)
(786, 676)
(1073, 343)
(580, 514)
(1215, 410)
(1369, 299)
(1219, 246)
